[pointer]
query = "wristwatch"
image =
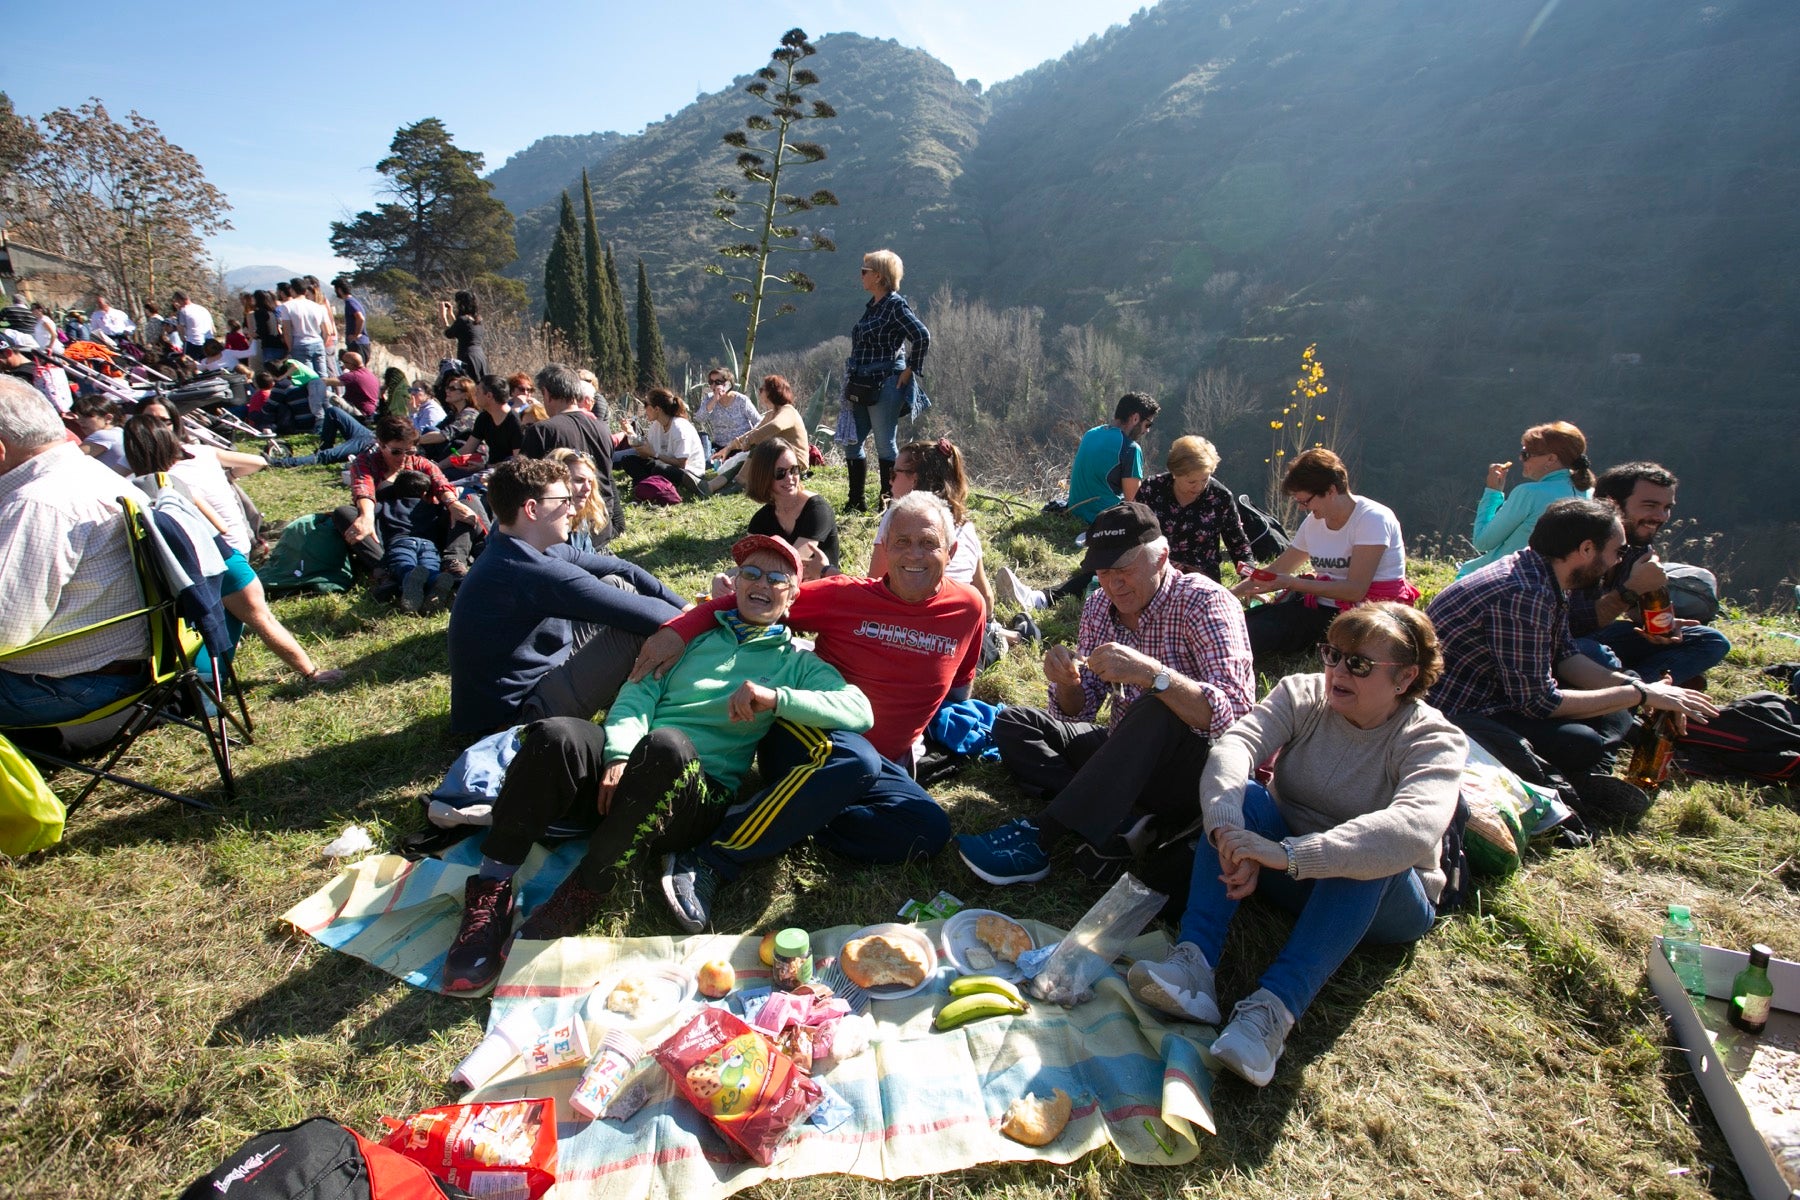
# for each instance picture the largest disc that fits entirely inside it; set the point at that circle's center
(1293, 868)
(1160, 684)
(1630, 597)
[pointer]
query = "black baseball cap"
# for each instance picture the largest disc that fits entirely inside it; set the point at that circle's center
(1117, 530)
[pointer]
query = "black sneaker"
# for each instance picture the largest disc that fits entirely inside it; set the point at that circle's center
(689, 886)
(441, 593)
(479, 949)
(1608, 802)
(412, 590)
(1102, 865)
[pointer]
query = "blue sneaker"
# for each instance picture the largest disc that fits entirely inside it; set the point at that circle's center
(1009, 854)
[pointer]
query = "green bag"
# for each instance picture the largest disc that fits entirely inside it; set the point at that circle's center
(31, 817)
(1498, 800)
(310, 556)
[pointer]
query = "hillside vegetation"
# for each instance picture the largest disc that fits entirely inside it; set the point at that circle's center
(153, 1014)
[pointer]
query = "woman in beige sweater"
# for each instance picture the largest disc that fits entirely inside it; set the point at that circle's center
(1348, 836)
(782, 420)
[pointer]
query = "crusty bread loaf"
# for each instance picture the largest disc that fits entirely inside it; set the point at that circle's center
(880, 961)
(1037, 1122)
(1007, 939)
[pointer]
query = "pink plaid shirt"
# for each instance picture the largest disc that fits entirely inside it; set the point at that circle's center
(1192, 626)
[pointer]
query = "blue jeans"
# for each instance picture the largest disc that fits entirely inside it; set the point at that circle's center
(311, 351)
(883, 418)
(405, 553)
(1623, 646)
(46, 700)
(342, 437)
(1334, 915)
(833, 786)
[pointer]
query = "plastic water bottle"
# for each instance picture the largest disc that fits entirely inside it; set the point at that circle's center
(1682, 947)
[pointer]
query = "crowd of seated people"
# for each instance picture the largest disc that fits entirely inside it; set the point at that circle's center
(642, 711)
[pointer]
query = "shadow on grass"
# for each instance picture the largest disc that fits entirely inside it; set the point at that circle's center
(314, 1001)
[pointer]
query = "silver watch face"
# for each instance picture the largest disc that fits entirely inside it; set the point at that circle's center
(1161, 682)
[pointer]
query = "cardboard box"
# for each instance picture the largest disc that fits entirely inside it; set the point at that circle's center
(1721, 1056)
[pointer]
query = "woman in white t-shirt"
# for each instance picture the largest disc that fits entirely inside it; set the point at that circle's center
(1355, 549)
(670, 446)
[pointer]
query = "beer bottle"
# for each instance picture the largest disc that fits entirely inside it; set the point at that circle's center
(1658, 611)
(1752, 993)
(1651, 755)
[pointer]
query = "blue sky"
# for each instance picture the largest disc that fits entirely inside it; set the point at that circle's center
(288, 113)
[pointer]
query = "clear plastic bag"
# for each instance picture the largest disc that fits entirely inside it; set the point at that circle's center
(1088, 951)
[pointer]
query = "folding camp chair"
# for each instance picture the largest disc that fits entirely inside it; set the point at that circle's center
(176, 693)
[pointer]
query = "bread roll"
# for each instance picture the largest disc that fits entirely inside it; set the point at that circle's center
(880, 961)
(1037, 1122)
(1007, 939)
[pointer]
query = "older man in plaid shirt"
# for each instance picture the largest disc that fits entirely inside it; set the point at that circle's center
(1172, 652)
(1513, 676)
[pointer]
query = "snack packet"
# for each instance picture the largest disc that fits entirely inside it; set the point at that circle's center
(736, 1078)
(503, 1151)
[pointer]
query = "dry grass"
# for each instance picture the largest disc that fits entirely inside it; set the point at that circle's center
(152, 1015)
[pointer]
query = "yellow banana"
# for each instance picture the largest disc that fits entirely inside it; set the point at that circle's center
(969, 985)
(977, 1006)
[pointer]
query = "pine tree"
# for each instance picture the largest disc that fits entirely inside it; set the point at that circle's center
(565, 307)
(599, 302)
(651, 370)
(621, 324)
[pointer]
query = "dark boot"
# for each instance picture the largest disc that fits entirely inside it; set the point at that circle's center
(887, 482)
(478, 951)
(859, 482)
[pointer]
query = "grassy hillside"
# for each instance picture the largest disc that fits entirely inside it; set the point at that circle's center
(152, 1015)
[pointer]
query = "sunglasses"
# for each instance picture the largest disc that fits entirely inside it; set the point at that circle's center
(790, 473)
(778, 578)
(1356, 664)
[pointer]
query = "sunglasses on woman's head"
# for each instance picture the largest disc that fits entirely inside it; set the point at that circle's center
(1357, 664)
(778, 578)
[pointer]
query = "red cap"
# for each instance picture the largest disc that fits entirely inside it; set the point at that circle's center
(745, 547)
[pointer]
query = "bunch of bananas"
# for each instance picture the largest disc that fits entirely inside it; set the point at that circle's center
(977, 997)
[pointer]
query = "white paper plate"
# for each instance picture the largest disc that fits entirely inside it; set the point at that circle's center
(671, 987)
(895, 991)
(959, 938)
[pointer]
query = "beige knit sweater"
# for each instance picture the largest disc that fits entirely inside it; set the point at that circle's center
(1361, 803)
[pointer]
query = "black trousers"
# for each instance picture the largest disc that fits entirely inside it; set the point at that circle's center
(664, 801)
(1150, 763)
(461, 545)
(1574, 748)
(1286, 627)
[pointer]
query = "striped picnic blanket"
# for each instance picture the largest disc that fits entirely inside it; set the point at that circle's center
(922, 1102)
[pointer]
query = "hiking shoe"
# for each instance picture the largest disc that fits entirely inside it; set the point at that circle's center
(441, 592)
(1026, 628)
(1103, 864)
(1180, 985)
(1252, 1044)
(1009, 854)
(689, 886)
(479, 949)
(412, 590)
(1608, 802)
(1020, 593)
(570, 909)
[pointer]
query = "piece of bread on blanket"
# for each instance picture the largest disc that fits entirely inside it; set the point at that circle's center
(1007, 939)
(1037, 1122)
(879, 961)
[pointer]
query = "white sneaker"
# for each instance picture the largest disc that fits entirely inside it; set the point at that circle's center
(1181, 985)
(1016, 590)
(1252, 1044)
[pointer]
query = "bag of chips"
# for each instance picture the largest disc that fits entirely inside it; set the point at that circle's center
(500, 1151)
(737, 1079)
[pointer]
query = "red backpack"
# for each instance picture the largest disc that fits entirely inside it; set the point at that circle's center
(318, 1159)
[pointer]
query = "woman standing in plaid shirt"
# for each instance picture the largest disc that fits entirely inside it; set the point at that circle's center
(879, 384)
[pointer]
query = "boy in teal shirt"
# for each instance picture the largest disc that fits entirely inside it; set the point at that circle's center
(660, 772)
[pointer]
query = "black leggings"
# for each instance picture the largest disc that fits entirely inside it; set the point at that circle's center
(664, 801)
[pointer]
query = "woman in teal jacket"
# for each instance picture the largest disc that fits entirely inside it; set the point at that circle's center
(1553, 459)
(660, 773)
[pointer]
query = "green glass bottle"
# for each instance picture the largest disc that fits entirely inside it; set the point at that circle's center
(1752, 993)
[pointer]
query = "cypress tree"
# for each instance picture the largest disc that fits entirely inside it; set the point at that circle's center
(621, 338)
(599, 314)
(565, 307)
(651, 370)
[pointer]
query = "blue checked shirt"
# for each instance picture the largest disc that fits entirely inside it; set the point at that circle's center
(880, 337)
(1503, 629)
(1192, 626)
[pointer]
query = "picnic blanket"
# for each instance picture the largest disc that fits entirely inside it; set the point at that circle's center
(922, 1102)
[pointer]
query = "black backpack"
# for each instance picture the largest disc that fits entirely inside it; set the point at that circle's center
(1756, 737)
(318, 1159)
(1268, 537)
